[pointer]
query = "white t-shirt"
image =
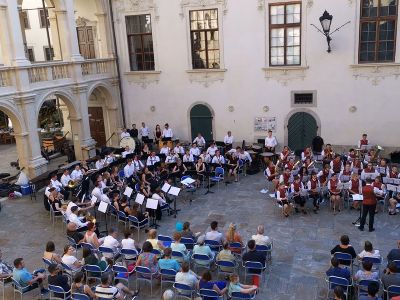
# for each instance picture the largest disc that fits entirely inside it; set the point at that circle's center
(261, 239)
(128, 244)
(68, 210)
(110, 242)
(375, 253)
(69, 260)
(214, 236)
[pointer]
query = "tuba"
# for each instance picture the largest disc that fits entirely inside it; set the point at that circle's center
(72, 184)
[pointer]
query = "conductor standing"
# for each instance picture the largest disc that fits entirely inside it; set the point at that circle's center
(369, 206)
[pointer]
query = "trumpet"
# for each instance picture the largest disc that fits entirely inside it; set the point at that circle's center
(311, 165)
(296, 164)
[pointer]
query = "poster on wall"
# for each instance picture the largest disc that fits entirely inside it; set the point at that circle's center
(265, 124)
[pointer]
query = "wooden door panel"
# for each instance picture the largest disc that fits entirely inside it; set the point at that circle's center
(96, 123)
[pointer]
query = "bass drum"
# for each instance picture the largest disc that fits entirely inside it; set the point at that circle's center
(128, 141)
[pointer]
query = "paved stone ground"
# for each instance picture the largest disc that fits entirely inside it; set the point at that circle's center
(301, 243)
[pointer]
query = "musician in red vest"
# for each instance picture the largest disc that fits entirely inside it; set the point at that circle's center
(296, 189)
(313, 187)
(369, 205)
(363, 141)
(336, 164)
(282, 197)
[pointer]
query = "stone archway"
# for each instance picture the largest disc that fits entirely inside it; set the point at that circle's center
(102, 99)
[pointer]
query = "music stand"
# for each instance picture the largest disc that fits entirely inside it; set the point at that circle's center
(152, 204)
(208, 174)
(358, 197)
(103, 208)
(174, 191)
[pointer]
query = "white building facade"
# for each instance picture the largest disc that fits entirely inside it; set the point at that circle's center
(84, 84)
(253, 65)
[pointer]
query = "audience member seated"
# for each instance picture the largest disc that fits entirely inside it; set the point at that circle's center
(336, 270)
(135, 211)
(90, 258)
(206, 283)
(232, 236)
(236, 286)
(111, 241)
(57, 278)
(5, 268)
(70, 260)
(167, 262)
(338, 293)
(26, 279)
(344, 247)
(128, 243)
(106, 291)
(201, 248)
(49, 253)
(78, 286)
(260, 238)
(366, 273)
(394, 254)
(226, 255)
(253, 255)
(368, 251)
(73, 218)
(73, 233)
(179, 247)
(373, 289)
(185, 276)
(90, 236)
(147, 258)
(152, 238)
(391, 277)
(214, 234)
(187, 232)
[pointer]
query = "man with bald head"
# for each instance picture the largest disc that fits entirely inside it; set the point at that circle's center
(73, 233)
(260, 238)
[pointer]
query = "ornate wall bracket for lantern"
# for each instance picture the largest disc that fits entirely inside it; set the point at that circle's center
(353, 109)
(265, 108)
(231, 108)
(152, 108)
(326, 22)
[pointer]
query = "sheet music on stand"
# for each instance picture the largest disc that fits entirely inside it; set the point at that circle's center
(152, 203)
(358, 197)
(387, 180)
(188, 181)
(93, 200)
(344, 185)
(165, 188)
(370, 176)
(366, 147)
(139, 199)
(128, 191)
(174, 191)
(344, 178)
(392, 188)
(103, 207)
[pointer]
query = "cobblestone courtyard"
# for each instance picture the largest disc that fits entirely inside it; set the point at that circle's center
(301, 243)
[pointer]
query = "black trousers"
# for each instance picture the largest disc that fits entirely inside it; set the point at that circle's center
(368, 209)
(299, 200)
(315, 198)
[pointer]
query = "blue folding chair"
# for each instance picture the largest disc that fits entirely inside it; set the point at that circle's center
(69, 271)
(201, 260)
(241, 296)
(178, 256)
(47, 263)
(55, 289)
(397, 262)
(188, 242)
(122, 273)
(237, 248)
(267, 250)
(334, 281)
(72, 242)
(252, 268)
(165, 239)
(183, 291)
(94, 272)
(376, 263)
(225, 267)
(144, 274)
(167, 276)
(122, 218)
(107, 251)
(88, 246)
(78, 296)
(22, 290)
(129, 255)
(134, 223)
(214, 245)
(4, 284)
(363, 287)
(219, 176)
(210, 294)
(156, 252)
(392, 291)
(344, 259)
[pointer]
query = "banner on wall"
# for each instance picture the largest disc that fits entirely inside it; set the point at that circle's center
(265, 124)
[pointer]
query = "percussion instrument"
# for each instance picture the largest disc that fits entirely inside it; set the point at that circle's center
(128, 141)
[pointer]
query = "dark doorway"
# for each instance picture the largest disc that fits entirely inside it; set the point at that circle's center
(96, 122)
(201, 121)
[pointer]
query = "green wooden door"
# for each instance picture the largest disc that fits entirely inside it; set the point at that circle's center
(302, 128)
(201, 122)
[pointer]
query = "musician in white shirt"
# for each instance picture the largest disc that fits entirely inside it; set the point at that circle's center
(77, 174)
(205, 157)
(124, 133)
(55, 183)
(171, 158)
(139, 166)
(126, 152)
(244, 155)
(152, 159)
(195, 151)
(100, 163)
(73, 218)
(200, 141)
(144, 132)
(164, 149)
(167, 133)
(65, 178)
(109, 159)
(129, 169)
(179, 149)
(212, 149)
(228, 141)
(188, 157)
(218, 158)
(270, 142)
(98, 192)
